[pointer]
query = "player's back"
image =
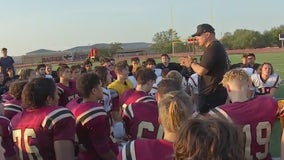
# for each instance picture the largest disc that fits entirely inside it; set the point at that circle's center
(93, 130)
(147, 149)
(131, 96)
(141, 120)
(35, 130)
(257, 117)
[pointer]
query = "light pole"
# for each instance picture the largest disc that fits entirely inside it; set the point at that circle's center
(281, 38)
(172, 30)
(173, 48)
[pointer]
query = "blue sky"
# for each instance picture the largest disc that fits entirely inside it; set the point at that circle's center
(28, 25)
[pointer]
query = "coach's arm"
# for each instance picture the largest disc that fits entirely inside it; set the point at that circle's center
(197, 68)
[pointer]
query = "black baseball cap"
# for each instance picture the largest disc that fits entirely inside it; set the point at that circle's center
(251, 55)
(202, 28)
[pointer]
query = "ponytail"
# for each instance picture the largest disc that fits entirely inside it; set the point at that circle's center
(174, 108)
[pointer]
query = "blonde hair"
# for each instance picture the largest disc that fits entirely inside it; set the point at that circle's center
(175, 75)
(235, 75)
(174, 108)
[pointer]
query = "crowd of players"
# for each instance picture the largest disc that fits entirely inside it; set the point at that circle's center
(137, 111)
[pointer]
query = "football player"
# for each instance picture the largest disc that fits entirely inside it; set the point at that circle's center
(66, 86)
(255, 115)
(145, 80)
(110, 100)
(151, 64)
(93, 124)
(43, 130)
(14, 106)
(105, 78)
(265, 80)
(120, 85)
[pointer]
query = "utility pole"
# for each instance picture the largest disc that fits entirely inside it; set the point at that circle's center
(172, 30)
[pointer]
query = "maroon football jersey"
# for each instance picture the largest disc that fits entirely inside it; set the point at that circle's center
(141, 120)
(131, 96)
(257, 117)
(12, 107)
(147, 149)
(7, 139)
(74, 102)
(36, 130)
(66, 94)
(93, 130)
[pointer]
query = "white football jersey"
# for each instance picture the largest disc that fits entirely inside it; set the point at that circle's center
(249, 71)
(155, 86)
(193, 83)
(106, 101)
(158, 72)
(133, 81)
(184, 83)
(264, 87)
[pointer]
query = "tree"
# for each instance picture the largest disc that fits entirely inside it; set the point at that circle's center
(113, 48)
(273, 36)
(243, 38)
(180, 46)
(103, 52)
(227, 40)
(163, 42)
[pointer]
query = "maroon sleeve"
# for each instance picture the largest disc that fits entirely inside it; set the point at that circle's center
(7, 140)
(9, 114)
(11, 110)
